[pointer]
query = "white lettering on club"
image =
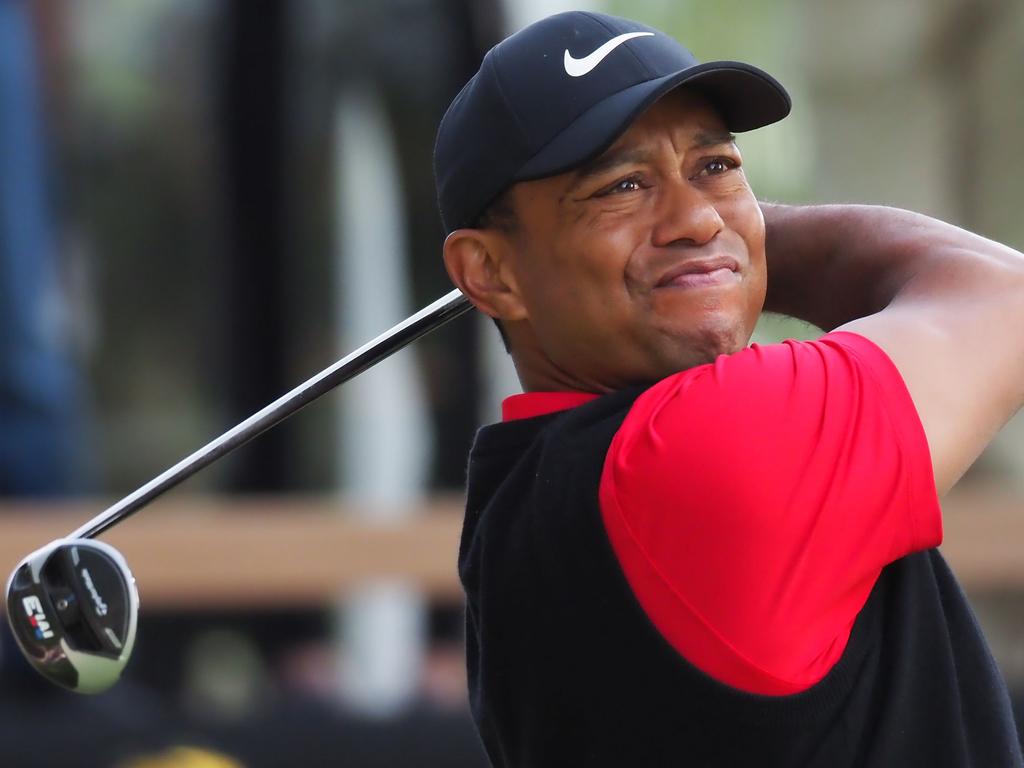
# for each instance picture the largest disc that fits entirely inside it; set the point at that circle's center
(34, 609)
(101, 607)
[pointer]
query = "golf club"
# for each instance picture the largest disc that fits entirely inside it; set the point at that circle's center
(73, 604)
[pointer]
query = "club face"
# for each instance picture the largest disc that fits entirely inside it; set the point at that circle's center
(73, 608)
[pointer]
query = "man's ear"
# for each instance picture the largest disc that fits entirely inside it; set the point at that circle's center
(476, 262)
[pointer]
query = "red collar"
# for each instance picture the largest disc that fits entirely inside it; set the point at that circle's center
(540, 403)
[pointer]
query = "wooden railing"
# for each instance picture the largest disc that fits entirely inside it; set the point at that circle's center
(209, 552)
(277, 551)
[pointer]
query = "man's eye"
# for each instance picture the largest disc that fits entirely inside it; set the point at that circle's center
(631, 184)
(718, 166)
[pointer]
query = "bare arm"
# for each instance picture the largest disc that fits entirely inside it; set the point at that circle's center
(946, 305)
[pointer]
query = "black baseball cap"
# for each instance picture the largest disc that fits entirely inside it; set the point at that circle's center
(562, 90)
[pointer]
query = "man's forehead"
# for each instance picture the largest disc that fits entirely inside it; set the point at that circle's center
(635, 146)
(692, 123)
(683, 111)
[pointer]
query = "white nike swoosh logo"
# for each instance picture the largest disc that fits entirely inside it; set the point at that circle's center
(579, 67)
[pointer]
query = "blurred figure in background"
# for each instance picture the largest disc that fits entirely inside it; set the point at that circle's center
(39, 394)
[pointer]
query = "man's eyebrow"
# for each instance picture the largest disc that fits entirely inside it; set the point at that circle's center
(610, 159)
(712, 138)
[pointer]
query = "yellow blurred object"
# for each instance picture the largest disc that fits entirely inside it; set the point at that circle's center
(182, 757)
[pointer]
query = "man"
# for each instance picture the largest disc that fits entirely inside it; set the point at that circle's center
(679, 550)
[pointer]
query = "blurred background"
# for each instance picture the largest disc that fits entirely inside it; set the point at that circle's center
(204, 202)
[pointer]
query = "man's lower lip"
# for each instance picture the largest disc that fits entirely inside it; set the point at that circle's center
(721, 276)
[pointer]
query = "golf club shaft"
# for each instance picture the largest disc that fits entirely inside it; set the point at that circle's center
(433, 316)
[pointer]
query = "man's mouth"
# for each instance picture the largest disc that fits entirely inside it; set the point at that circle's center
(716, 270)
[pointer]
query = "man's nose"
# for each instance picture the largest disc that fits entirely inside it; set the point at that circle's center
(685, 215)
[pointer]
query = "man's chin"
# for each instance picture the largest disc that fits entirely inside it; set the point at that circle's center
(692, 349)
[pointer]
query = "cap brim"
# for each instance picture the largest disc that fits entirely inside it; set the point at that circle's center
(746, 97)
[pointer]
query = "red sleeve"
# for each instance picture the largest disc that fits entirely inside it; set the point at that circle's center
(752, 503)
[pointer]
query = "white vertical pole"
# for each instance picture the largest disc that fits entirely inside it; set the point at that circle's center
(523, 12)
(382, 427)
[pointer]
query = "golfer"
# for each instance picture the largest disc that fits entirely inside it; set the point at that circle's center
(681, 550)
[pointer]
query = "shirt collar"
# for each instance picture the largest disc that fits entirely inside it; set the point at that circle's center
(531, 404)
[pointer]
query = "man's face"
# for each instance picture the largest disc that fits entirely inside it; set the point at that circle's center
(642, 263)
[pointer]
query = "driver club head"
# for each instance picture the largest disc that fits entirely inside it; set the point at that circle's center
(73, 607)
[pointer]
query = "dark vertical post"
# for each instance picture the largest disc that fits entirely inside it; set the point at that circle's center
(252, 122)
